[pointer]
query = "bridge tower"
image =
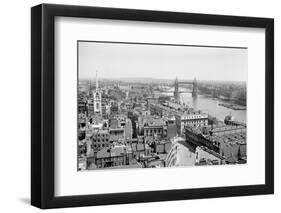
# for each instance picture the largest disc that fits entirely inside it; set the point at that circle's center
(195, 88)
(176, 91)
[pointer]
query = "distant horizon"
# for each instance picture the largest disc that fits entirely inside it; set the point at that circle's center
(158, 79)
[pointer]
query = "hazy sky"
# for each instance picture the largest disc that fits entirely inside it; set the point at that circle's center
(118, 60)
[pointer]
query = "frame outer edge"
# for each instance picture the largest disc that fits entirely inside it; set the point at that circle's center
(269, 119)
(36, 85)
(47, 108)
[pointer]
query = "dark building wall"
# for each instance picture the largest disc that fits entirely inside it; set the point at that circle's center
(100, 141)
(199, 140)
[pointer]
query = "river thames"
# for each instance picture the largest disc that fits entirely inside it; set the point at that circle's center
(211, 106)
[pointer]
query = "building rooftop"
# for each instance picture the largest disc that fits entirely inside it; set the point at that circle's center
(229, 137)
(224, 128)
(233, 138)
(155, 124)
(112, 152)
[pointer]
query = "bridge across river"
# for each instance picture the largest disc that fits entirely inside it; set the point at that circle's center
(177, 92)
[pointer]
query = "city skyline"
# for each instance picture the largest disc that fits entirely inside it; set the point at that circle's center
(125, 61)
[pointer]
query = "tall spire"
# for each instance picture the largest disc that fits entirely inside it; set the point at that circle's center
(97, 81)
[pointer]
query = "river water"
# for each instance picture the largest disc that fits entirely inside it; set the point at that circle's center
(211, 106)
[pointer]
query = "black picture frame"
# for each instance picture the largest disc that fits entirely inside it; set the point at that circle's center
(43, 105)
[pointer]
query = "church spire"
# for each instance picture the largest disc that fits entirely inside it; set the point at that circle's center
(97, 81)
(97, 98)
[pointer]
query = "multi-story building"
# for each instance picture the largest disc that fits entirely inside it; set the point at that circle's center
(232, 146)
(82, 105)
(162, 147)
(82, 120)
(117, 134)
(140, 150)
(100, 140)
(116, 156)
(120, 128)
(155, 129)
(128, 129)
(192, 118)
(114, 108)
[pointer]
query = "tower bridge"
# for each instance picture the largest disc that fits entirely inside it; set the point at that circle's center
(194, 88)
(177, 92)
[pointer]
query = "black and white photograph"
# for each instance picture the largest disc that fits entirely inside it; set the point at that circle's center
(151, 105)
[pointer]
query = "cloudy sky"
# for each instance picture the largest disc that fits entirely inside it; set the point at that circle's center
(120, 60)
